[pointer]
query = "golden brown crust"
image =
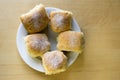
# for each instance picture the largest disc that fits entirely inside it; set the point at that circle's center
(70, 41)
(54, 62)
(60, 20)
(37, 44)
(35, 20)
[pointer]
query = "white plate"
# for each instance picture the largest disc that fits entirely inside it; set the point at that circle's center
(34, 62)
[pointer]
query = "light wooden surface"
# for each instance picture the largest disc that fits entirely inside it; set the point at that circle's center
(99, 20)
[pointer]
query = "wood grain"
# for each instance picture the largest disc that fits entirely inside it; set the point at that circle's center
(98, 19)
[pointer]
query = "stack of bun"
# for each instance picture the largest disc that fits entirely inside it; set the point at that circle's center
(38, 44)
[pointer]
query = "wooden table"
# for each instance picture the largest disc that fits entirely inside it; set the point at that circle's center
(98, 19)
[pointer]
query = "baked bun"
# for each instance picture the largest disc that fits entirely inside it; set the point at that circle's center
(54, 62)
(35, 20)
(37, 44)
(70, 41)
(60, 20)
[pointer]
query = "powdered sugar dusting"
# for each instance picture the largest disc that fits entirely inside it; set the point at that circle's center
(59, 20)
(38, 42)
(54, 59)
(73, 39)
(36, 15)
